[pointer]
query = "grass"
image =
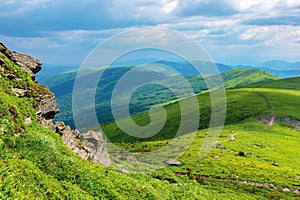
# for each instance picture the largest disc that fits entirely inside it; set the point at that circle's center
(265, 148)
(37, 165)
(145, 96)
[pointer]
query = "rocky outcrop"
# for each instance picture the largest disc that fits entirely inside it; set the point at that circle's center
(268, 120)
(293, 123)
(90, 145)
(46, 106)
(28, 63)
(94, 147)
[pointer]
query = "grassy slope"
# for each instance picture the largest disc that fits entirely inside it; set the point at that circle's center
(143, 97)
(272, 153)
(36, 165)
(243, 104)
(240, 77)
(287, 84)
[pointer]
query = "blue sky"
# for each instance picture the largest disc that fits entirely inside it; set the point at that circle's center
(63, 32)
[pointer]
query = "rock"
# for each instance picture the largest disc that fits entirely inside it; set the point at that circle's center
(47, 107)
(28, 63)
(275, 164)
(241, 153)
(59, 127)
(69, 139)
(128, 158)
(268, 120)
(28, 120)
(94, 143)
(11, 76)
(45, 99)
(21, 92)
(1, 61)
(5, 50)
(173, 162)
(124, 171)
(232, 138)
(293, 123)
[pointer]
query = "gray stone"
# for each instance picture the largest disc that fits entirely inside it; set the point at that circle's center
(47, 107)
(94, 143)
(293, 123)
(21, 92)
(28, 63)
(173, 162)
(28, 120)
(124, 171)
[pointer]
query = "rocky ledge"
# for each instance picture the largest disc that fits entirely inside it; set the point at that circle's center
(28, 63)
(90, 145)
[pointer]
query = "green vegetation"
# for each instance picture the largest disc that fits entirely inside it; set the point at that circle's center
(286, 84)
(242, 105)
(37, 165)
(264, 149)
(145, 96)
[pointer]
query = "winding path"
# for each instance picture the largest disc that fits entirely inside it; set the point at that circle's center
(273, 119)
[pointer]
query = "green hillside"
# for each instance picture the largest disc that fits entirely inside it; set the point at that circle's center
(35, 164)
(145, 96)
(242, 105)
(286, 84)
(248, 151)
(240, 77)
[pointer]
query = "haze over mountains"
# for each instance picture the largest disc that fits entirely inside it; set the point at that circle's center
(148, 95)
(280, 68)
(256, 155)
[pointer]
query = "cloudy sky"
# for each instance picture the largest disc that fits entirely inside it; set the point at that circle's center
(63, 32)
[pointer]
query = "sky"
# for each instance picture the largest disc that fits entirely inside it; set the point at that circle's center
(63, 32)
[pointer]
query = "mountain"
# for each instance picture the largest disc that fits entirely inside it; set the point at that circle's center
(51, 70)
(144, 97)
(261, 128)
(251, 160)
(281, 65)
(185, 68)
(254, 100)
(283, 73)
(245, 76)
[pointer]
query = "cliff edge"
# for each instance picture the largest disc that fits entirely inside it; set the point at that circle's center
(17, 74)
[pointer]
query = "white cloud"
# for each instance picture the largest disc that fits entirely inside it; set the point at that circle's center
(170, 6)
(226, 23)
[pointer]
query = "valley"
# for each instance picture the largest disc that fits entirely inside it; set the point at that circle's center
(252, 159)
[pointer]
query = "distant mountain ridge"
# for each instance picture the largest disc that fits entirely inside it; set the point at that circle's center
(280, 68)
(281, 65)
(186, 68)
(146, 96)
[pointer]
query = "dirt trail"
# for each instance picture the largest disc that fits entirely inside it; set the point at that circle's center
(273, 119)
(268, 185)
(231, 137)
(266, 100)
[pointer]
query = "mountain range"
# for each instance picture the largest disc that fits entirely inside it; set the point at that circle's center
(256, 155)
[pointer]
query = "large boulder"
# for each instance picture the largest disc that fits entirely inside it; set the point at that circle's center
(94, 143)
(90, 145)
(28, 63)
